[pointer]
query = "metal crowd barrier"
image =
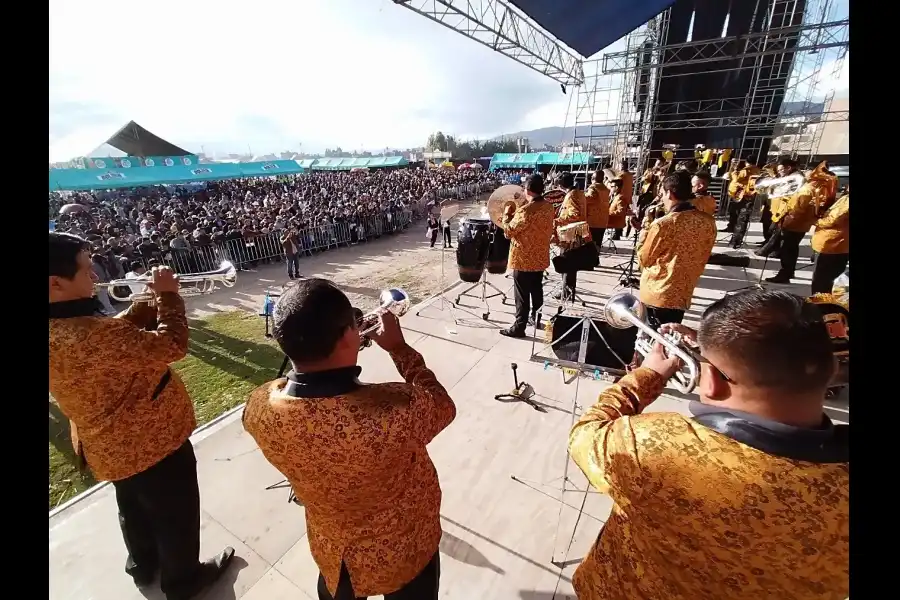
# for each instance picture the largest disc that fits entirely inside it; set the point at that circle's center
(267, 248)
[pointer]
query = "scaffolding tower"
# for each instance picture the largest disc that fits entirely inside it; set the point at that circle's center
(618, 107)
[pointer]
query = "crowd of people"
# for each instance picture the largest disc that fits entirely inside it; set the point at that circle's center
(249, 221)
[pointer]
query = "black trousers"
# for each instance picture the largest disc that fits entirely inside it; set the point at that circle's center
(618, 234)
(790, 251)
(597, 234)
(773, 244)
(528, 287)
(766, 220)
(570, 280)
(657, 317)
(293, 265)
(423, 587)
(828, 268)
(434, 233)
(446, 236)
(159, 513)
(734, 211)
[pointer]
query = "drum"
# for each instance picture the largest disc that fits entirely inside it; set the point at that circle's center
(473, 239)
(837, 320)
(498, 252)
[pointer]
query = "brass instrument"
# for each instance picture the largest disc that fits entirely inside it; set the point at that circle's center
(624, 310)
(502, 199)
(394, 301)
(198, 283)
(780, 187)
(573, 235)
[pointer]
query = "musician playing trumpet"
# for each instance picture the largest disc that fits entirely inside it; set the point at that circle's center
(354, 453)
(131, 416)
(572, 210)
(529, 228)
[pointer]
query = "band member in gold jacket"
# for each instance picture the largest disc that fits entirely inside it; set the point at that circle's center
(619, 207)
(673, 252)
(355, 453)
(131, 416)
(572, 210)
(597, 202)
(796, 219)
(738, 178)
(748, 498)
(529, 229)
(702, 200)
(627, 178)
(831, 240)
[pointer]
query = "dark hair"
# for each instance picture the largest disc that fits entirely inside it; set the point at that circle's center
(786, 161)
(535, 184)
(64, 251)
(310, 319)
(779, 339)
(679, 184)
(135, 265)
(703, 176)
(567, 180)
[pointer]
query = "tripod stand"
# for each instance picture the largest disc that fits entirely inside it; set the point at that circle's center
(484, 284)
(628, 278)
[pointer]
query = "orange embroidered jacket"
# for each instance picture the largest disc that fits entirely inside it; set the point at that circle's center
(359, 465)
(700, 516)
(618, 211)
(573, 209)
(832, 233)
(673, 255)
(705, 203)
(104, 373)
(597, 200)
(799, 211)
(529, 232)
(627, 178)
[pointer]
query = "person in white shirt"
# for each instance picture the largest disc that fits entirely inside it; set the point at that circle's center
(137, 271)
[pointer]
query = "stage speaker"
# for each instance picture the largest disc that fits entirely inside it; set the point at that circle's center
(728, 260)
(618, 342)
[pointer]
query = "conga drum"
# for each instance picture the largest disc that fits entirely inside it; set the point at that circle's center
(473, 239)
(498, 252)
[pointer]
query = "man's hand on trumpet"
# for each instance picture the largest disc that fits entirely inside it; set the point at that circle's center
(162, 280)
(687, 334)
(389, 336)
(659, 362)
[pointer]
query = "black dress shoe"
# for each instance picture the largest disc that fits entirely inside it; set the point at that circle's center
(513, 332)
(726, 230)
(210, 571)
(142, 577)
(779, 278)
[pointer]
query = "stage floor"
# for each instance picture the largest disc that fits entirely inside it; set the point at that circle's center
(512, 529)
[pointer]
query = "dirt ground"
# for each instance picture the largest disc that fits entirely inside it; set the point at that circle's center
(404, 260)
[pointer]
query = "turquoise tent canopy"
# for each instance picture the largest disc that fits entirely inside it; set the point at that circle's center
(94, 179)
(535, 159)
(345, 164)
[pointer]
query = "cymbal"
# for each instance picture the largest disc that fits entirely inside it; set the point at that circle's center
(500, 199)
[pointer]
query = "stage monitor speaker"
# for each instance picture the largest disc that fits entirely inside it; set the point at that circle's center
(598, 354)
(728, 260)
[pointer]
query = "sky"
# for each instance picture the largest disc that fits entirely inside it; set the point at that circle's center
(298, 75)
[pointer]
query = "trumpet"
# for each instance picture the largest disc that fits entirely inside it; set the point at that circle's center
(780, 187)
(197, 284)
(394, 301)
(624, 310)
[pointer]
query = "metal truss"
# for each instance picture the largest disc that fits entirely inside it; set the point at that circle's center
(802, 38)
(497, 26)
(749, 122)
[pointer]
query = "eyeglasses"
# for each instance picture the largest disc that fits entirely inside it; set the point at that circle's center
(702, 359)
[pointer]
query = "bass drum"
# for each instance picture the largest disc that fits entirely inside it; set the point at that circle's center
(473, 239)
(498, 253)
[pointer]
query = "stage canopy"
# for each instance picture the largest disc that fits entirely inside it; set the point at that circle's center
(533, 160)
(589, 26)
(345, 164)
(94, 179)
(134, 140)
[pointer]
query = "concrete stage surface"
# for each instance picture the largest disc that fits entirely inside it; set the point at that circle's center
(511, 529)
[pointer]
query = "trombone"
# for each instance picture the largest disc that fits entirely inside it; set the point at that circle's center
(624, 310)
(394, 301)
(193, 284)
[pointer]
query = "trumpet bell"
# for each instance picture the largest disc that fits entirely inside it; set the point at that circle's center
(620, 306)
(395, 301)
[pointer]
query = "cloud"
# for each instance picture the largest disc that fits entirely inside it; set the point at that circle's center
(290, 72)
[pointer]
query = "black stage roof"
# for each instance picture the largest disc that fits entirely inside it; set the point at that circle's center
(134, 140)
(589, 26)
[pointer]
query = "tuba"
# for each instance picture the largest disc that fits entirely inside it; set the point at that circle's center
(780, 187)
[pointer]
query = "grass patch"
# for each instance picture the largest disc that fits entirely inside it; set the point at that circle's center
(228, 357)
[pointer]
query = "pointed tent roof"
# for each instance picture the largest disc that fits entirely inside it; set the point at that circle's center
(134, 140)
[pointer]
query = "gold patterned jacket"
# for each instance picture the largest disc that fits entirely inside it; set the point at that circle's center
(573, 209)
(619, 205)
(705, 203)
(104, 375)
(358, 462)
(529, 232)
(647, 180)
(597, 200)
(798, 213)
(832, 232)
(673, 255)
(627, 178)
(737, 181)
(700, 516)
